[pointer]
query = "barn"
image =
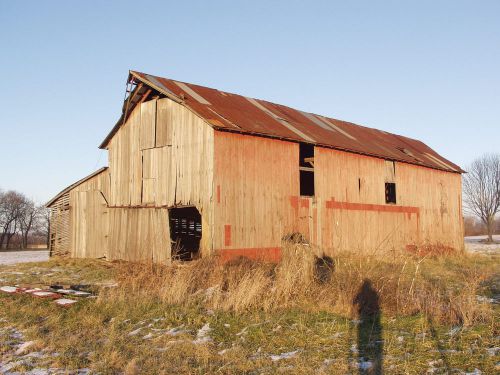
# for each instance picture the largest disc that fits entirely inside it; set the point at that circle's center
(194, 171)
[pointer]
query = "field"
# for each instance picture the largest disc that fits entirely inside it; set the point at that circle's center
(406, 315)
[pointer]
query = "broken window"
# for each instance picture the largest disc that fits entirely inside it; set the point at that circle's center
(306, 169)
(185, 232)
(390, 192)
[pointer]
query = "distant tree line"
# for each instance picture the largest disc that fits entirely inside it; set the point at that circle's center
(475, 227)
(22, 221)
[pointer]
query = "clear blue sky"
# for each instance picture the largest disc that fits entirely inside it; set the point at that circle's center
(425, 69)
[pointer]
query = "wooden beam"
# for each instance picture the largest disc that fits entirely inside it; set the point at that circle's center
(306, 169)
(144, 97)
(129, 99)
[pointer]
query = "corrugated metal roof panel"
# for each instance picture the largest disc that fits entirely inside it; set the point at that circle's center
(233, 112)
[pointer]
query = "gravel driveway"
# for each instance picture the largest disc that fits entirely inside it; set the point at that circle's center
(13, 257)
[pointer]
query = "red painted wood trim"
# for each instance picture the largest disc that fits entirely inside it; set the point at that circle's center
(227, 235)
(372, 207)
(266, 254)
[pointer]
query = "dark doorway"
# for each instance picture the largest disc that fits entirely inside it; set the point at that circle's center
(185, 232)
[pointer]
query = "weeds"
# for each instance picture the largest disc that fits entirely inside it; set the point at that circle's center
(444, 289)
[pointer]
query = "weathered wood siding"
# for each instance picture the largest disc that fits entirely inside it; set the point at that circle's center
(139, 234)
(257, 200)
(60, 227)
(255, 179)
(90, 231)
(99, 182)
(62, 211)
(351, 212)
(162, 157)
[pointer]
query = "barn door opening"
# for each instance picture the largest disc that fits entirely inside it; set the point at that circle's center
(185, 232)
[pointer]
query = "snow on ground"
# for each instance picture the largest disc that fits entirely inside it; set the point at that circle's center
(13, 257)
(474, 245)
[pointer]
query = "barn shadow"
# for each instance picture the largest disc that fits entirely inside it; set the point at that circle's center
(369, 338)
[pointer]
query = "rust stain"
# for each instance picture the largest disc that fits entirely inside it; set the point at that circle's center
(304, 203)
(215, 122)
(372, 207)
(294, 202)
(227, 235)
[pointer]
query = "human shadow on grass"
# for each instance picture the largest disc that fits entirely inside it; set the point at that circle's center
(370, 342)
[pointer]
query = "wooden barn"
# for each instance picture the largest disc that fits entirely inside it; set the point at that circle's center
(196, 171)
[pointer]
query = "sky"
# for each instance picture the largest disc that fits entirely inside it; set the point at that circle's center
(424, 69)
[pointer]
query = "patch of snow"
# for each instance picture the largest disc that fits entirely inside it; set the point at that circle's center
(176, 331)
(475, 372)
(453, 331)
(493, 351)
(135, 332)
(287, 355)
(484, 299)
(202, 334)
(65, 301)
(10, 365)
(365, 365)
(23, 348)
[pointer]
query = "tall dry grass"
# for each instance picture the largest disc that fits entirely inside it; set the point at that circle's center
(442, 288)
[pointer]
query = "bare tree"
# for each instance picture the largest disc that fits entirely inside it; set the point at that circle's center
(481, 187)
(28, 220)
(11, 204)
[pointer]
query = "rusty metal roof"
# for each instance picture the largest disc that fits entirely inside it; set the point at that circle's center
(236, 113)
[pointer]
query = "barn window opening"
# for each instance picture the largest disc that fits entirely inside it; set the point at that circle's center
(185, 232)
(390, 192)
(306, 169)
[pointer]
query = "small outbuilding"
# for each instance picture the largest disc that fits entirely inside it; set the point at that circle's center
(195, 171)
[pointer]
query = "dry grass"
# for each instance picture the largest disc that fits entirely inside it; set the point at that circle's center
(442, 288)
(256, 310)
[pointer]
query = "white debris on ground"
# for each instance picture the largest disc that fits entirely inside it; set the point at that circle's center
(14, 257)
(40, 293)
(474, 244)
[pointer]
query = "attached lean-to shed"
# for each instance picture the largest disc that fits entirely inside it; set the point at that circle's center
(196, 171)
